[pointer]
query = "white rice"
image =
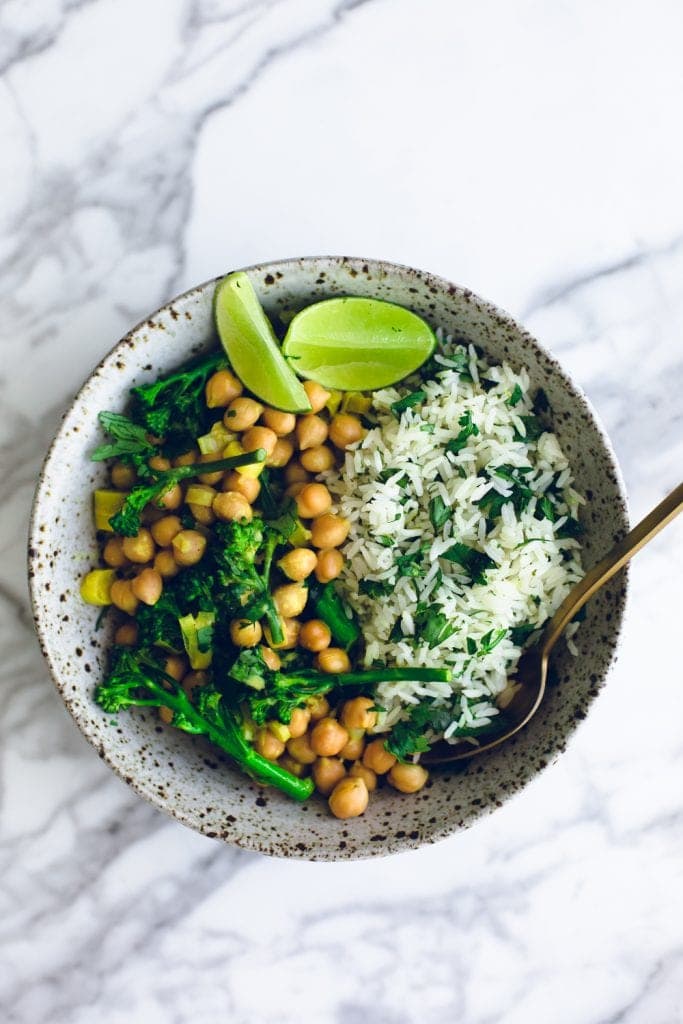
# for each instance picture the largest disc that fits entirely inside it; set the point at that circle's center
(533, 568)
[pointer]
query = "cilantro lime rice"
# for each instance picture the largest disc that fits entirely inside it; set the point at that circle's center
(463, 537)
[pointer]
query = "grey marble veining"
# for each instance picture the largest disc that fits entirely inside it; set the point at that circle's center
(529, 151)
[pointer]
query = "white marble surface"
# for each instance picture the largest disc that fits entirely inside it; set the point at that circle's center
(529, 150)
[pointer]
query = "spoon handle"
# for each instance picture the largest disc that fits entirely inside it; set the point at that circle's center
(617, 558)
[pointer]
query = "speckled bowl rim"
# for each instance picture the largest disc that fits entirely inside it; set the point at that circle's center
(392, 844)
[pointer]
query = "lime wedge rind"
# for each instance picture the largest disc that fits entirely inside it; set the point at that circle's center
(324, 341)
(250, 344)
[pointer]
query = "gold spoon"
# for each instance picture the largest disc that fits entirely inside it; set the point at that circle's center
(522, 697)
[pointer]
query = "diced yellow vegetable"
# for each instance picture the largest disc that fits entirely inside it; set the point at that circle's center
(96, 586)
(197, 494)
(300, 535)
(280, 730)
(333, 402)
(190, 627)
(234, 448)
(107, 504)
(215, 440)
(355, 401)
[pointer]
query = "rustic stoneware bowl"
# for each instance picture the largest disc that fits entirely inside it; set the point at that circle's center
(183, 775)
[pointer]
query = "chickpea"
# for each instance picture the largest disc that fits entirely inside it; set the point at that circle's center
(159, 462)
(186, 459)
(165, 529)
(301, 750)
(281, 453)
(377, 757)
(295, 473)
(294, 490)
(248, 486)
(127, 634)
(328, 737)
(122, 476)
(349, 798)
(244, 633)
(319, 706)
(272, 658)
(353, 750)
(359, 771)
(151, 514)
(345, 429)
(298, 723)
(166, 715)
(313, 500)
(318, 459)
(315, 635)
(147, 586)
(298, 564)
(311, 430)
(123, 597)
(333, 660)
(165, 564)
(194, 680)
(330, 564)
(329, 531)
(259, 437)
(202, 514)
(407, 778)
(188, 547)
(292, 766)
(327, 772)
(281, 423)
(229, 505)
(139, 548)
(268, 745)
(175, 667)
(290, 599)
(113, 555)
(210, 478)
(221, 388)
(317, 395)
(358, 714)
(172, 499)
(290, 628)
(242, 413)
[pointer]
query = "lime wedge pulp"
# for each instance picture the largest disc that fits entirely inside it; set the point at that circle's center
(251, 346)
(357, 344)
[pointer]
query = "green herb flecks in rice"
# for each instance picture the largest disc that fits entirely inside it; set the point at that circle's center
(464, 536)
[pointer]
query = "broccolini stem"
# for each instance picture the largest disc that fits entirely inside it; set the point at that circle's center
(197, 468)
(372, 676)
(231, 741)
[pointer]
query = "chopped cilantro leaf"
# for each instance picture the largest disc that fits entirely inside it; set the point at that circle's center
(408, 402)
(475, 563)
(516, 396)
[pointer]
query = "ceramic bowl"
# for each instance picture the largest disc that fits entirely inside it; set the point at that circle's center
(185, 776)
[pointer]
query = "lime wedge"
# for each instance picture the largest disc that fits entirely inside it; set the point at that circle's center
(251, 346)
(357, 344)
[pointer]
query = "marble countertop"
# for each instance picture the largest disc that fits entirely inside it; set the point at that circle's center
(529, 151)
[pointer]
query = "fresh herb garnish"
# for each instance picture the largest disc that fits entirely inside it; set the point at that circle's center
(433, 626)
(439, 512)
(131, 443)
(408, 737)
(468, 429)
(545, 509)
(475, 563)
(520, 634)
(408, 401)
(491, 640)
(533, 429)
(516, 395)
